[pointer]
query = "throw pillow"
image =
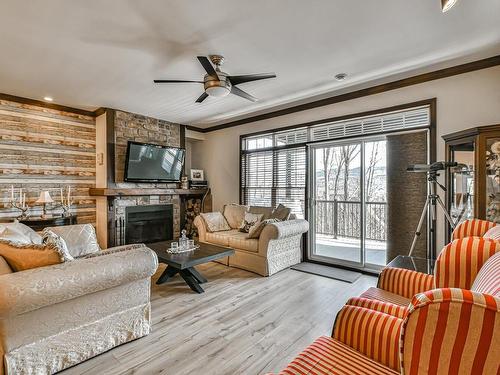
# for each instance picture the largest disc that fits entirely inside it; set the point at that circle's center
(215, 221)
(18, 232)
(234, 214)
(265, 211)
(22, 257)
(50, 237)
(4, 267)
(80, 239)
(249, 220)
(281, 213)
(256, 229)
(493, 233)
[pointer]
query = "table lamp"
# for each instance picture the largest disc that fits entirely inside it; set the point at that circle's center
(45, 198)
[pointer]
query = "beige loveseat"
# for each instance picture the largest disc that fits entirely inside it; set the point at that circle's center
(57, 316)
(278, 247)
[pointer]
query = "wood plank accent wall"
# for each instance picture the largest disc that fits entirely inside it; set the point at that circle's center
(45, 149)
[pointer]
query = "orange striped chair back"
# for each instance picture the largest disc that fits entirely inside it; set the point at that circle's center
(460, 261)
(373, 333)
(472, 228)
(451, 331)
(488, 279)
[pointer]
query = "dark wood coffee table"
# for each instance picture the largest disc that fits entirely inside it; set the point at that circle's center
(184, 263)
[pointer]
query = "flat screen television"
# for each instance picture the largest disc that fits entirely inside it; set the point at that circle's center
(153, 163)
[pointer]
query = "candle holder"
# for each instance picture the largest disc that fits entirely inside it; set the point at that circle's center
(66, 209)
(19, 204)
(66, 202)
(24, 208)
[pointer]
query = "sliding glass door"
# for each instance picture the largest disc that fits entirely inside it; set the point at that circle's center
(348, 204)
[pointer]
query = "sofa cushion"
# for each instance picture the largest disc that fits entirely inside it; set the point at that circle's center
(240, 241)
(22, 257)
(256, 229)
(50, 237)
(80, 239)
(221, 238)
(281, 213)
(20, 233)
(4, 266)
(249, 221)
(215, 222)
(234, 214)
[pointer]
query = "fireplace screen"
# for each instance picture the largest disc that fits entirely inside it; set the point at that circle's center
(146, 224)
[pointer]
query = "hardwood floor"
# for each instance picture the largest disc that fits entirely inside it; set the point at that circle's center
(242, 324)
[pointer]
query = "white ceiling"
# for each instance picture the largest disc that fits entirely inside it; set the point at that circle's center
(92, 53)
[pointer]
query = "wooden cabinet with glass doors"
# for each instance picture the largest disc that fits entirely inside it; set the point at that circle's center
(473, 187)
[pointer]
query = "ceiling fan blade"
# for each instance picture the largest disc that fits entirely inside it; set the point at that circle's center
(207, 65)
(236, 80)
(243, 94)
(174, 81)
(202, 97)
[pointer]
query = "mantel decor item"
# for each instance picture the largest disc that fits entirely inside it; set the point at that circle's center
(20, 203)
(66, 202)
(197, 175)
(45, 199)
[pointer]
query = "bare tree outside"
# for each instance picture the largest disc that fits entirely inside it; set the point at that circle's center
(338, 189)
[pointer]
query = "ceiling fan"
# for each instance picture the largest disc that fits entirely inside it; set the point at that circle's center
(218, 83)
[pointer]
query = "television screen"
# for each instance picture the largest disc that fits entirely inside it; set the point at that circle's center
(146, 162)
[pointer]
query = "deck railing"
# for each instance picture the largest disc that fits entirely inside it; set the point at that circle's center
(343, 219)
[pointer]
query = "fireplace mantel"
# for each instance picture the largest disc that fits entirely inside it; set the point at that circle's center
(103, 192)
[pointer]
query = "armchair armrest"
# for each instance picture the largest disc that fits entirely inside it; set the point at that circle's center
(404, 282)
(372, 333)
(472, 228)
(458, 325)
(281, 230)
(384, 307)
(32, 289)
(202, 229)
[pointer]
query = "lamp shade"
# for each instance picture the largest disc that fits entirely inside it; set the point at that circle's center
(44, 197)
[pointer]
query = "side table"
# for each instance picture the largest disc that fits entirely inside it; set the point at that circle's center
(38, 224)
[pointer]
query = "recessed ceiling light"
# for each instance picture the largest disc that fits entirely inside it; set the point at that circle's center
(47, 98)
(341, 76)
(446, 5)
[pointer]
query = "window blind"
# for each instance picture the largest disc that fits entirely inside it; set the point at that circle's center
(271, 177)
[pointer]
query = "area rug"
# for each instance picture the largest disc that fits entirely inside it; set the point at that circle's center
(327, 271)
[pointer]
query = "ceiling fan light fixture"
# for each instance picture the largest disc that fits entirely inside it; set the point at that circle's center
(446, 5)
(217, 91)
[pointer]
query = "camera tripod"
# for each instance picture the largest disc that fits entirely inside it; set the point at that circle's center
(433, 201)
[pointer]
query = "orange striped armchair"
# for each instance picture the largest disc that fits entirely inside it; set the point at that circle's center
(414, 323)
(442, 331)
(456, 267)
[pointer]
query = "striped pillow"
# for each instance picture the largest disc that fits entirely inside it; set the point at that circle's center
(488, 278)
(493, 233)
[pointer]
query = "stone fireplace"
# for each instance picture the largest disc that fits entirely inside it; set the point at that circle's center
(164, 208)
(116, 198)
